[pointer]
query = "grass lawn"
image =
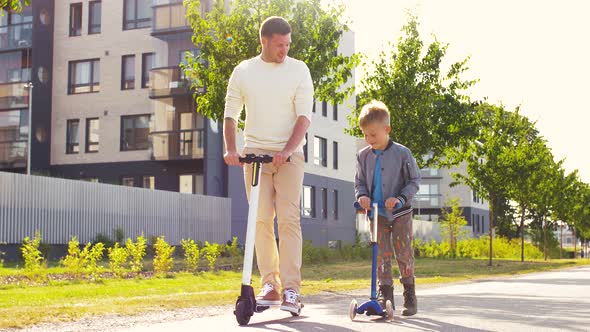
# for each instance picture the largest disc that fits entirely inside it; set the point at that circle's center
(21, 306)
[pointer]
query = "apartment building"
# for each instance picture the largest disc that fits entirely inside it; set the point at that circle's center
(110, 105)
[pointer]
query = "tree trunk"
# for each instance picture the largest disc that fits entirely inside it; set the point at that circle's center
(561, 239)
(544, 238)
(522, 233)
(575, 243)
(492, 218)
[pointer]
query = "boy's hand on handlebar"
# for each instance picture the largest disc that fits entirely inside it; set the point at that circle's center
(232, 158)
(280, 158)
(391, 202)
(365, 202)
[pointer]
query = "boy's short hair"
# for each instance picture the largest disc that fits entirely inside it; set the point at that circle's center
(375, 111)
(274, 25)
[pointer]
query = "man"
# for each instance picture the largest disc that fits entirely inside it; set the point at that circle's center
(278, 94)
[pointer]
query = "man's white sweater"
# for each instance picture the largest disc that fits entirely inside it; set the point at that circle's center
(274, 94)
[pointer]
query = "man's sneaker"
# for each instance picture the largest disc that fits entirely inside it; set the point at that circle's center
(268, 295)
(291, 301)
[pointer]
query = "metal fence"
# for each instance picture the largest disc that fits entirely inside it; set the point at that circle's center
(61, 208)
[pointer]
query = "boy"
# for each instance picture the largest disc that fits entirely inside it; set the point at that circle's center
(386, 171)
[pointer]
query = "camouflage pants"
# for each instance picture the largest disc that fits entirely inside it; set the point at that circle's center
(395, 238)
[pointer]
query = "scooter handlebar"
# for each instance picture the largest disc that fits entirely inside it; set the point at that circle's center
(380, 204)
(262, 158)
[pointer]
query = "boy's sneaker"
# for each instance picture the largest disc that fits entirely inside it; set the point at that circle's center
(291, 301)
(410, 301)
(268, 295)
(385, 293)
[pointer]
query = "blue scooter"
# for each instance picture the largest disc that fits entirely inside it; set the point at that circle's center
(372, 307)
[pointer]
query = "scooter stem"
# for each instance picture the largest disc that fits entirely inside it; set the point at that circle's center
(374, 247)
(251, 227)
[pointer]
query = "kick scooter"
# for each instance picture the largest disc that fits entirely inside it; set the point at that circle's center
(246, 304)
(372, 307)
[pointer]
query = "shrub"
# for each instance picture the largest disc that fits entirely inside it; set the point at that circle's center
(163, 256)
(119, 235)
(136, 252)
(117, 260)
(104, 239)
(191, 254)
(211, 252)
(31, 253)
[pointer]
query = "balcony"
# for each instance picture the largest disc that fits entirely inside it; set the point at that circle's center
(170, 20)
(425, 201)
(167, 82)
(15, 36)
(14, 95)
(178, 145)
(13, 154)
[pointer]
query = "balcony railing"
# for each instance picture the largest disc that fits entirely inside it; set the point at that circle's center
(169, 17)
(14, 95)
(174, 145)
(167, 81)
(16, 36)
(13, 154)
(427, 201)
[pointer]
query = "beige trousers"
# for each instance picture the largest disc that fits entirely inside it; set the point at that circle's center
(280, 191)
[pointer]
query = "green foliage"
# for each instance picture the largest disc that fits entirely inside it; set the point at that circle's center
(452, 223)
(14, 5)
(86, 260)
(118, 260)
(191, 254)
(163, 256)
(104, 239)
(477, 248)
(31, 253)
(347, 252)
(210, 252)
(137, 252)
(227, 38)
(430, 110)
(119, 235)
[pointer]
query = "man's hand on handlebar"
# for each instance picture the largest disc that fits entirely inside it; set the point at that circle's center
(232, 158)
(280, 158)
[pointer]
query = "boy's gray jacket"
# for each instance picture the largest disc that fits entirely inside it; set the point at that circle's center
(400, 174)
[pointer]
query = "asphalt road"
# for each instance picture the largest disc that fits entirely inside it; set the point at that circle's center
(549, 301)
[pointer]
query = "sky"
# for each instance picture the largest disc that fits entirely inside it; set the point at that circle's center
(535, 54)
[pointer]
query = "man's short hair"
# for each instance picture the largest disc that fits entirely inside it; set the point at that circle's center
(274, 25)
(373, 112)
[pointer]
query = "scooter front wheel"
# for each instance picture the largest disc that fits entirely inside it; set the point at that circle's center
(352, 308)
(243, 312)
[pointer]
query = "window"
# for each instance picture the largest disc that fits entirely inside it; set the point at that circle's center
(335, 198)
(137, 14)
(473, 222)
(75, 19)
(94, 16)
(191, 184)
(335, 153)
(128, 72)
(305, 148)
(324, 203)
(428, 193)
(324, 108)
(84, 76)
(147, 63)
(483, 225)
(319, 151)
(14, 131)
(149, 182)
(308, 202)
(128, 181)
(335, 112)
(72, 139)
(313, 108)
(135, 132)
(90, 179)
(92, 136)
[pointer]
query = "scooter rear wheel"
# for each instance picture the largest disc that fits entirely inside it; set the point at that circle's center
(352, 308)
(243, 312)
(389, 310)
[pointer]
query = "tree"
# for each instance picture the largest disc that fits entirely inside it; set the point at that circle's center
(224, 39)
(452, 223)
(486, 157)
(429, 113)
(15, 5)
